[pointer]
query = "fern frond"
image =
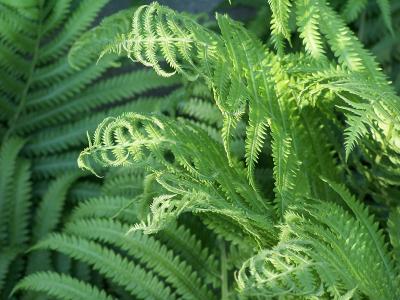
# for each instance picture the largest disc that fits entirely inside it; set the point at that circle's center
(246, 51)
(129, 184)
(6, 107)
(237, 73)
(64, 137)
(180, 239)
(7, 255)
(20, 3)
(59, 11)
(84, 190)
(357, 123)
(148, 250)
(370, 105)
(49, 211)
(110, 264)
(352, 9)
(54, 165)
(52, 73)
(280, 22)
(16, 20)
(146, 39)
(201, 110)
(48, 216)
(384, 6)
(106, 206)
(164, 136)
(190, 248)
(334, 241)
(284, 270)
(61, 286)
(285, 171)
(10, 84)
(345, 242)
(66, 88)
(372, 230)
(107, 92)
(308, 20)
(12, 63)
(99, 37)
(8, 160)
(394, 234)
(18, 225)
(14, 39)
(346, 47)
(76, 24)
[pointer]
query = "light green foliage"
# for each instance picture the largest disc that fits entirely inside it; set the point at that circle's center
(322, 249)
(236, 181)
(322, 242)
(194, 182)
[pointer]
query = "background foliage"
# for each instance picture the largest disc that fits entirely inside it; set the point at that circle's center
(267, 166)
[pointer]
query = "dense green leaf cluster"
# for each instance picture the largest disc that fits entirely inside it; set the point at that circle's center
(47, 105)
(268, 168)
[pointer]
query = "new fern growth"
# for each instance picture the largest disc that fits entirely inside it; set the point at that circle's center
(262, 169)
(293, 97)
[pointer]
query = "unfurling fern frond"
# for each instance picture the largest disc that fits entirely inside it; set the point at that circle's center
(183, 170)
(324, 250)
(229, 70)
(235, 67)
(284, 270)
(48, 98)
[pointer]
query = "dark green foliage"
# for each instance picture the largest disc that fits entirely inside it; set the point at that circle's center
(46, 107)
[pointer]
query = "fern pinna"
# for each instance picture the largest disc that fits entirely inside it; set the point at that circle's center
(255, 187)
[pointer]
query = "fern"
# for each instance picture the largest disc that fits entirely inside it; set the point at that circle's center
(209, 162)
(7, 256)
(156, 256)
(394, 234)
(19, 210)
(8, 158)
(110, 264)
(280, 22)
(315, 242)
(150, 252)
(46, 108)
(307, 21)
(239, 57)
(329, 246)
(62, 286)
(127, 150)
(178, 238)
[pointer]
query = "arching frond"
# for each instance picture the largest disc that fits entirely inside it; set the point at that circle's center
(110, 264)
(62, 286)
